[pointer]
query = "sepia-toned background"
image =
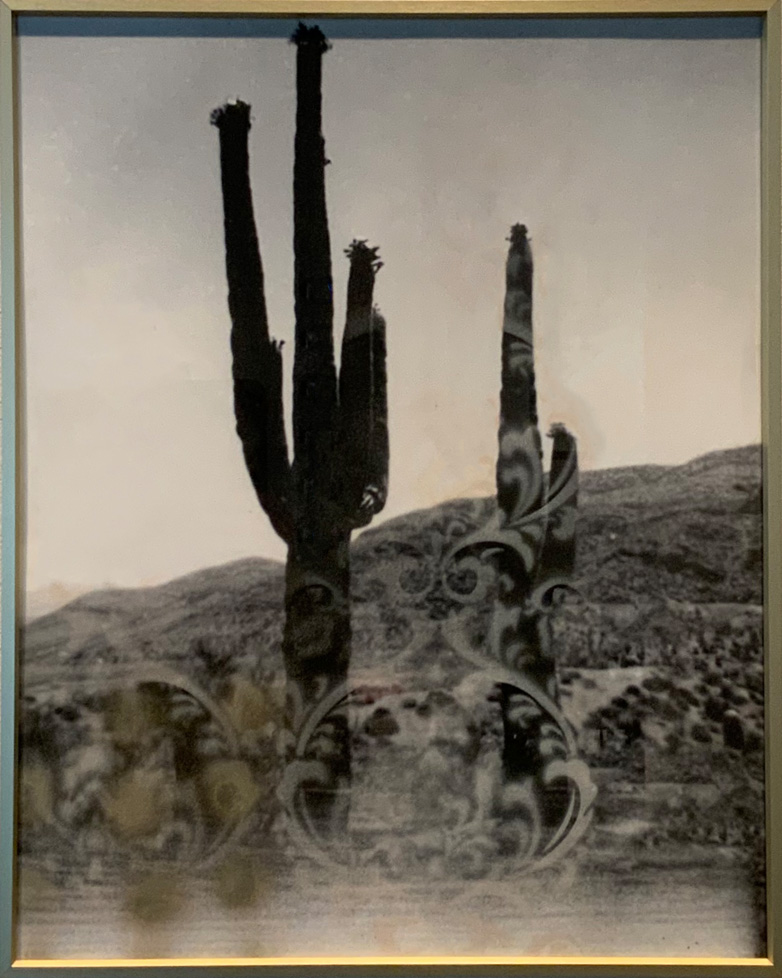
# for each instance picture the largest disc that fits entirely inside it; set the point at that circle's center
(634, 161)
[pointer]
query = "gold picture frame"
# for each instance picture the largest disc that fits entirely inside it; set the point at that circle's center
(770, 11)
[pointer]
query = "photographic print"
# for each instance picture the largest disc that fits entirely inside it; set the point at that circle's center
(392, 536)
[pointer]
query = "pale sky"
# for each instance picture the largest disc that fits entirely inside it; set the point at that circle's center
(633, 162)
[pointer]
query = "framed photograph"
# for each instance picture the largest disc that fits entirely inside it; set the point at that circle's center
(391, 487)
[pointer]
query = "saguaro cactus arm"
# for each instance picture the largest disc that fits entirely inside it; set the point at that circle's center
(363, 406)
(314, 371)
(257, 360)
(558, 553)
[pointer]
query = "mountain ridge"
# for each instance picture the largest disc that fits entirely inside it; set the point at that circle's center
(594, 484)
(692, 533)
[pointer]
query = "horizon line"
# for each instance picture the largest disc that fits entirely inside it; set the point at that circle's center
(80, 590)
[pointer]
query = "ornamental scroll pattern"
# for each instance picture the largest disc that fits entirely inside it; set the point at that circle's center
(462, 762)
(492, 782)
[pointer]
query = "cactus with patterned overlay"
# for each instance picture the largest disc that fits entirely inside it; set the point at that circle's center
(541, 515)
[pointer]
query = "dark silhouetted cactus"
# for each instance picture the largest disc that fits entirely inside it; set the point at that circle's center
(338, 478)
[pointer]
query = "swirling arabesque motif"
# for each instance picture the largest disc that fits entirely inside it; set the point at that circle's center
(554, 799)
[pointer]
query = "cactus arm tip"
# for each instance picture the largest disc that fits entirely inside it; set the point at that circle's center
(360, 253)
(234, 112)
(557, 428)
(564, 451)
(312, 37)
(362, 388)
(372, 502)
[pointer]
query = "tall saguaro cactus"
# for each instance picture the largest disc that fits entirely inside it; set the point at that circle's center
(529, 546)
(536, 515)
(338, 478)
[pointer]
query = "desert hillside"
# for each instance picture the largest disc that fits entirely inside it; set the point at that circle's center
(646, 534)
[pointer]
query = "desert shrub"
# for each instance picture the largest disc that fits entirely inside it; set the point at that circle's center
(684, 698)
(655, 684)
(631, 727)
(673, 741)
(714, 709)
(733, 731)
(700, 733)
(213, 661)
(753, 741)
(667, 710)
